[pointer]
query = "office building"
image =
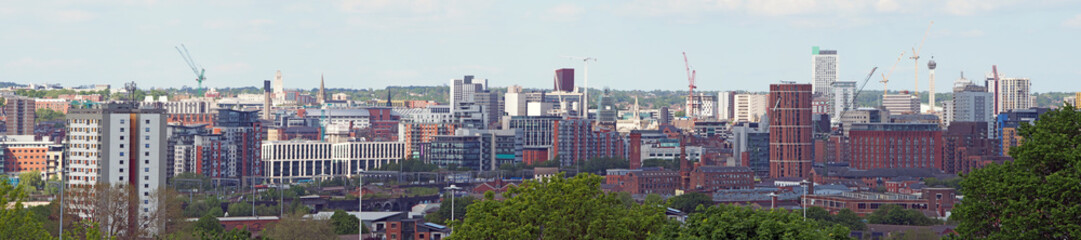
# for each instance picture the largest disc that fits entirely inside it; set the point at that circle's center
(750, 147)
(750, 107)
(483, 150)
(702, 106)
(825, 70)
(515, 101)
(895, 145)
(790, 144)
(19, 114)
(901, 103)
(1014, 94)
(291, 161)
(416, 135)
(464, 90)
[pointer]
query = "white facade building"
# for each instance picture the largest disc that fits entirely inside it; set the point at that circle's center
(750, 107)
(289, 161)
(842, 98)
(824, 70)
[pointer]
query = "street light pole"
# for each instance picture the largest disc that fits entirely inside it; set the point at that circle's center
(805, 185)
(451, 189)
(360, 205)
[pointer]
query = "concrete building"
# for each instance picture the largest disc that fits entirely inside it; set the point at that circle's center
(791, 148)
(902, 103)
(19, 115)
(843, 97)
(893, 145)
(750, 107)
(973, 104)
(187, 146)
(703, 106)
(750, 147)
(483, 150)
(464, 90)
(291, 161)
(21, 153)
(726, 108)
(824, 71)
(515, 101)
(117, 143)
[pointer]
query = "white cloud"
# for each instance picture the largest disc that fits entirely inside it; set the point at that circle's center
(1074, 22)
(564, 12)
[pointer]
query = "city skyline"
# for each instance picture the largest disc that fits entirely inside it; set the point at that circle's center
(372, 44)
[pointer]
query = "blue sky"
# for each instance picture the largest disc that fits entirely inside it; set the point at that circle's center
(733, 44)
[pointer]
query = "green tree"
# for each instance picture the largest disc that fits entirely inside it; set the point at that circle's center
(600, 165)
(557, 208)
(240, 209)
(461, 204)
(895, 215)
(654, 198)
(669, 164)
(208, 224)
(845, 217)
(295, 226)
(1035, 196)
(344, 223)
(16, 221)
(45, 114)
(690, 201)
(735, 222)
(31, 179)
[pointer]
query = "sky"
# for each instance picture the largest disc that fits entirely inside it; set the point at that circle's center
(732, 44)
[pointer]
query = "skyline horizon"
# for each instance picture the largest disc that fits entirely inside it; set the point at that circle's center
(733, 45)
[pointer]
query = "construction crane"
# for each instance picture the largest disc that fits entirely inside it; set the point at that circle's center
(916, 57)
(198, 70)
(886, 76)
(691, 105)
(858, 91)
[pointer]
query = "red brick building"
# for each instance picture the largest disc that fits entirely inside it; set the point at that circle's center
(967, 147)
(643, 181)
(896, 145)
(713, 178)
(791, 147)
(383, 123)
(416, 134)
(634, 151)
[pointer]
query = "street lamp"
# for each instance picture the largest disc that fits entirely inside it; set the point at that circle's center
(451, 189)
(805, 186)
(360, 205)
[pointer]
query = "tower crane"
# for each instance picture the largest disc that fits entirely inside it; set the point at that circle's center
(691, 105)
(886, 76)
(198, 70)
(916, 57)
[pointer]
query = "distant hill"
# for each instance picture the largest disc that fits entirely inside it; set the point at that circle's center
(10, 84)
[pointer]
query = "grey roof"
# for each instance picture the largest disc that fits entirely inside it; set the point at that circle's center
(354, 112)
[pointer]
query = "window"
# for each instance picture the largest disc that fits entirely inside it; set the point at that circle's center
(146, 170)
(147, 145)
(121, 129)
(121, 154)
(148, 121)
(121, 145)
(147, 129)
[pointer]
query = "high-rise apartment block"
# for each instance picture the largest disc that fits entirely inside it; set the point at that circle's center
(117, 143)
(19, 112)
(790, 144)
(825, 69)
(842, 98)
(973, 104)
